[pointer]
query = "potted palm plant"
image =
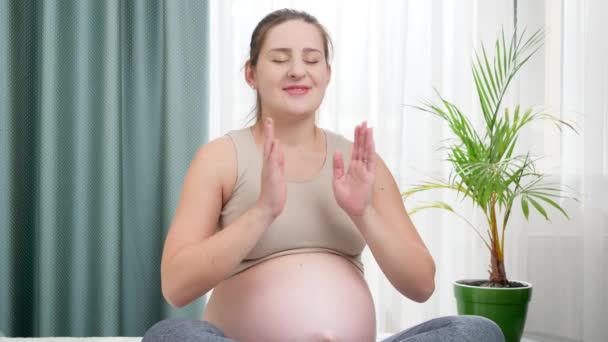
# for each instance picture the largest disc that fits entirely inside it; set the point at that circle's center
(489, 171)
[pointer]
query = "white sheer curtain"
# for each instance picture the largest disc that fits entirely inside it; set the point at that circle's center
(565, 258)
(391, 54)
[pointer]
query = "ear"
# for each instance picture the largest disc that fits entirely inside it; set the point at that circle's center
(328, 73)
(250, 74)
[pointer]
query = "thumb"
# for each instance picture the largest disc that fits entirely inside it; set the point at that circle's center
(338, 165)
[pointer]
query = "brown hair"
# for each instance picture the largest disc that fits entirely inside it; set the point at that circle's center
(271, 20)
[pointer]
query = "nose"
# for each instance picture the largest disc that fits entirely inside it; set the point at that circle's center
(296, 70)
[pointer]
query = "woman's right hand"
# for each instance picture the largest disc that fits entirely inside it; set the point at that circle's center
(273, 188)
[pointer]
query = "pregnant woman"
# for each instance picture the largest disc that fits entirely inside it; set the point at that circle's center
(274, 217)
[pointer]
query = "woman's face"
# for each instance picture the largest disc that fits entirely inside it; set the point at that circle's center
(291, 74)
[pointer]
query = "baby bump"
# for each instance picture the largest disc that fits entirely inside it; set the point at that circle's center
(298, 297)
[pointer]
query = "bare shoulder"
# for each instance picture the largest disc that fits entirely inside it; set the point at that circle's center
(385, 178)
(388, 201)
(208, 179)
(219, 152)
(218, 158)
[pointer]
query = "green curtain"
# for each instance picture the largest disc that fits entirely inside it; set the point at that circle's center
(103, 104)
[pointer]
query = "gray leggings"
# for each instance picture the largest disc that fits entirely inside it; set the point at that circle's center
(444, 329)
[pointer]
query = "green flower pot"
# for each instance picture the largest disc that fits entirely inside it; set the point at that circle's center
(505, 306)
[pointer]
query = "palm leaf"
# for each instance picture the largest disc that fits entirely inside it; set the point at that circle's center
(485, 168)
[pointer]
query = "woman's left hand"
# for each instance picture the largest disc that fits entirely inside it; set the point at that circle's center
(353, 188)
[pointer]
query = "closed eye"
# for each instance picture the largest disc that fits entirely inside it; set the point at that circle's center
(279, 61)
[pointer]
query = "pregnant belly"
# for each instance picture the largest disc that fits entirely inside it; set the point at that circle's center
(298, 297)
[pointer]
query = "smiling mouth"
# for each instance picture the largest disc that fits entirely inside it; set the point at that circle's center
(297, 90)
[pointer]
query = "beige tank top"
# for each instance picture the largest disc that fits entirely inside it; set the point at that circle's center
(311, 221)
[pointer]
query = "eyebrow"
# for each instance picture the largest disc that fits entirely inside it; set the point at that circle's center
(288, 50)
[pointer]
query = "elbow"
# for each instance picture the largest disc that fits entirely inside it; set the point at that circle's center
(173, 300)
(426, 287)
(176, 297)
(178, 294)
(418, 291)
(424, 293)
(168, 289)
(171, 295)
(429, 287)
(172, 291)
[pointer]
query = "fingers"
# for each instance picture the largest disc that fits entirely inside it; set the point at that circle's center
(353, 154)
(280, 158)
(362, 141)
(268, 137)
(276, 156)
(363, 144)
(274, 152)
(338, 165)
(364, 148)
(370, 150)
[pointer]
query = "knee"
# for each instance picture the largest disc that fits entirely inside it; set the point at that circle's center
(162, 330)
(477, 328)
(170, 329)
(159, 331)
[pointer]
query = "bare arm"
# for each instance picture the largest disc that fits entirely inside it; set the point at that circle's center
(369, 195)
(198, 267)
(394, 241)
(195, 258)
